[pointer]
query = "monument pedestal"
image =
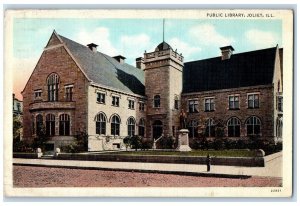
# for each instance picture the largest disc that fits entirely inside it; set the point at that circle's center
(183, 141)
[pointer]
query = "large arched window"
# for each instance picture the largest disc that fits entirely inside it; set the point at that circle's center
(156, 102)
(193, 128)
(234, 127)
(131, 126)
(115, 125)
(100, 124)
(210, 128)
(64, 125)
(39, 123)
(142, 127)
(253, 126)
(50, 125)
(52, 83)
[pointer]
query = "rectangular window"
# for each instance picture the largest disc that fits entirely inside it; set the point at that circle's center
(209, 104)
(280, 103)
(38, 94)
(253, 101)
(142, 106)
(193, 106)
(176, 104)
(131, 104)
(101, 98)
(234, 102)
(115, 101)
(69, 93)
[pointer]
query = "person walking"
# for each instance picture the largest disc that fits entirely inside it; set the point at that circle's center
(208, 162)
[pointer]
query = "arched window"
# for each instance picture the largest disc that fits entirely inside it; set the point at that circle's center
(64, 125)
(52, 83)
(100, 124)
(39, 123)
(50, 125)
(210, 128)
(115, 125)
(131, 126)
(234, 127)
(142, 127)
(253, 126)
(156, 101)
(193, 128)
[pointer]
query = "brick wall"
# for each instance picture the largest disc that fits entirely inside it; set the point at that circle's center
(265, 111)
(56, 60)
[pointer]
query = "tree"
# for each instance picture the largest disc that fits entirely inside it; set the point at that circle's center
(126, 141)
(136, 142)
(41, 139)
(17, 126)
(167, 142)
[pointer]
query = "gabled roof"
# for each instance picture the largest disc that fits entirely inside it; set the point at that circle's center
(241, 70)
(105, 70)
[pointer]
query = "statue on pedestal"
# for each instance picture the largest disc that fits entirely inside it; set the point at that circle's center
(182, 119)
(183, 136)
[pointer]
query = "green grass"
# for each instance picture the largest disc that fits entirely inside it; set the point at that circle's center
(212, 153)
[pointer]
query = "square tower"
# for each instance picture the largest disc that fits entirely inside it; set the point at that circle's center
(163, 86)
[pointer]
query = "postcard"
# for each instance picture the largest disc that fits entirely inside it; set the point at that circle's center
(148, 103)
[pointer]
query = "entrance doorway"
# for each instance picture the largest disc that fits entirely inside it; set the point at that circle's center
(157, 129)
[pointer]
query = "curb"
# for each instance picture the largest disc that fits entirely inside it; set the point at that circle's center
(200, 174)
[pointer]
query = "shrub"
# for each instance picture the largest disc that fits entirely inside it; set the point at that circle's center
(126, 141)
(136, 142)
(41, 139)
(22, 146)
(218, 144)
(241, 144)
(146, 143)
(79, 145)
(166, 142)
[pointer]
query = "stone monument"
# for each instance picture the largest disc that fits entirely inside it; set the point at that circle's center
(183, 137)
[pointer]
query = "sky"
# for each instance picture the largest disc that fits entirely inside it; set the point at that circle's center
(195, 38)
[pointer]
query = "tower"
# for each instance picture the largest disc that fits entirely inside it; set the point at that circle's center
(163, 86)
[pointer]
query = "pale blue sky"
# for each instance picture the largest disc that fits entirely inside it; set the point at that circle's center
(194, 38)
(31, 35)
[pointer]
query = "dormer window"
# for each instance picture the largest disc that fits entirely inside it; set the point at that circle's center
(52, 82)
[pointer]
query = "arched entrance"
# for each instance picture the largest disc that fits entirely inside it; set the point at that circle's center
(157, 129)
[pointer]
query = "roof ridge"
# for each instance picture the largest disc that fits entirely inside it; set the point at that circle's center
(235, 54)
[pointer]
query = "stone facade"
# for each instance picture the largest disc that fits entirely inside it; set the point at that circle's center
(222, 112)
(55, 60)
(163, 76)
(108, 141)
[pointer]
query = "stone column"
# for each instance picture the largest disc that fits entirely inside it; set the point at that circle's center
(183, 141)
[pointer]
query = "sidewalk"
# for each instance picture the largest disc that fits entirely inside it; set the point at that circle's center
(273, 167)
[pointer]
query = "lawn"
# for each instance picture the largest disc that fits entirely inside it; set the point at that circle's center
(212, 153)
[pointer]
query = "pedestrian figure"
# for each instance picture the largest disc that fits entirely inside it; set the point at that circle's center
(208, 161)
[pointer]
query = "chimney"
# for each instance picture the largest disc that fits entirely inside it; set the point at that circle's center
(226, 52)
(140, 63)
(92, 47)
(120, 59)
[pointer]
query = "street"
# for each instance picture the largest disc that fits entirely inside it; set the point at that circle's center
(32, 176)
